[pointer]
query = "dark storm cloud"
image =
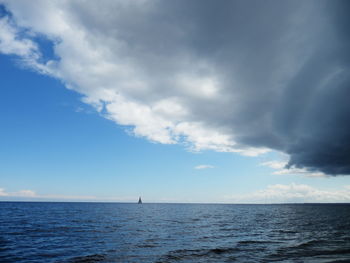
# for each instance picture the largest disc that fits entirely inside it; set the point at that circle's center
(266, 74)
(308, 116)
(314, 115)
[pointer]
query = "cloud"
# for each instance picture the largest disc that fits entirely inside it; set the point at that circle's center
(32, 195)
(280, 167)
(203, 166)
(21, 193)
(293, 193)
(3, 192)
(11, 44)
(234, 76)
(25, 193)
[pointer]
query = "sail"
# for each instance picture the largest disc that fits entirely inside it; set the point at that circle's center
(140, 201)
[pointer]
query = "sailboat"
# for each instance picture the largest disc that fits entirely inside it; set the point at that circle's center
(140, 201)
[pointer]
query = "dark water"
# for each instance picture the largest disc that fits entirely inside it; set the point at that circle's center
(107, 232)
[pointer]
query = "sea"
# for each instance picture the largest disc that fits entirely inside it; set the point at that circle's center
(120, 232)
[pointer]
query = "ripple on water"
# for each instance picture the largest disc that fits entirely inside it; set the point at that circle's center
(88, 259)
(96, 232)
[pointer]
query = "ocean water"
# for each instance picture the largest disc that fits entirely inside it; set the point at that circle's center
(111, 232)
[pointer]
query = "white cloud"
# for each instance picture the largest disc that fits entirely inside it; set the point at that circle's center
(133, 84)
(21, 193)
(294, 193)
(280, 167)
(275, 164)
(24, 193)
(16, 41)
(204, 166)
(11, 43)
(32, 195)
(3, 192)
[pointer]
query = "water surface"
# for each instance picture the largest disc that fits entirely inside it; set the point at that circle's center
(114, 232)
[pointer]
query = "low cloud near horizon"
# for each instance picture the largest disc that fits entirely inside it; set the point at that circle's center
(21, 193)
(277, 193)
(32, 195)
(293, 193)
(229, 76)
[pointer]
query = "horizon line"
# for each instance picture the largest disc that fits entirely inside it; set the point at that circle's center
(180, 203)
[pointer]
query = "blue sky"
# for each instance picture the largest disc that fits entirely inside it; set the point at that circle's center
(68, 134)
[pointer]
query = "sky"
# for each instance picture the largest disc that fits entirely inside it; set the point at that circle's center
(175, 101)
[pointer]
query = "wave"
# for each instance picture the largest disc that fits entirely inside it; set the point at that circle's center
(188, 254)
(247, 242)
(88, 259)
